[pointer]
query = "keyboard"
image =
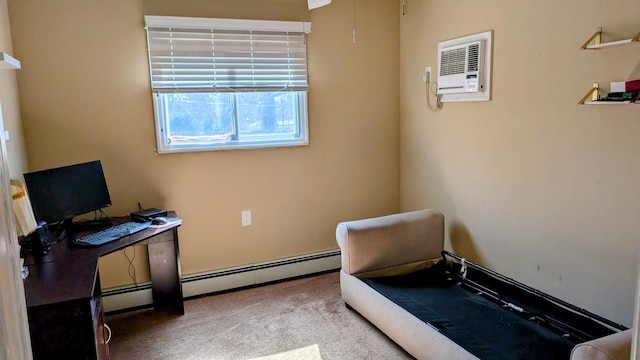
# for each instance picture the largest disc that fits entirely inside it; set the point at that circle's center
(111, 234)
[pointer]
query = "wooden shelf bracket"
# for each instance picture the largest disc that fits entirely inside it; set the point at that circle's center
(596, 39)
(594, 93)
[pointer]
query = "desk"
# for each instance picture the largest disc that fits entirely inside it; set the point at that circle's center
(64, 300)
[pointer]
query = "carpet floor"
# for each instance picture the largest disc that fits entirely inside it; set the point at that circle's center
(302, 319)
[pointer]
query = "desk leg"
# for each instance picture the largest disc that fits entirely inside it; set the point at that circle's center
(166, 277)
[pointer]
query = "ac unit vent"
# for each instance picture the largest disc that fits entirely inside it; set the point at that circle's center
(453, 62)
(460, 68)
(474, 55)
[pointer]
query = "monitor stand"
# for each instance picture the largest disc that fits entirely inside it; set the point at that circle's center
(64, 229)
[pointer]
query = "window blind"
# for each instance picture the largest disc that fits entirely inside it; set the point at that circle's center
(204, 55)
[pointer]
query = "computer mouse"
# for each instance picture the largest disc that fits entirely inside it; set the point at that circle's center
(159, 220)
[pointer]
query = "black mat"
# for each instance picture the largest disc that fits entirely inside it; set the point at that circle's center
(481, 325)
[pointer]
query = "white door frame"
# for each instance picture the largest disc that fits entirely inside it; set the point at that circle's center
(15, 342)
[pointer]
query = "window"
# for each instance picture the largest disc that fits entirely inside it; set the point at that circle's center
(228, 84)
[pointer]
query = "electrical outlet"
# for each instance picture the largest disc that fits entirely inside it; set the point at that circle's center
(426, 77)
(246, 217)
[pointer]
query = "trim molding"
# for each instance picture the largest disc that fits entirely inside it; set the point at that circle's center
(130, 296)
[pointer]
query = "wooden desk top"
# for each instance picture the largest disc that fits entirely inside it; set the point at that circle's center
(69, 272)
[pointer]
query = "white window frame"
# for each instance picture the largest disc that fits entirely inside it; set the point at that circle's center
(161, 83)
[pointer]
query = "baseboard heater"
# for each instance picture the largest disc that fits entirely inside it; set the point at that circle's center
(193, 285)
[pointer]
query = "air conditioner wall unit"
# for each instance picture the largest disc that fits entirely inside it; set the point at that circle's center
(314, 4)
(461, 68)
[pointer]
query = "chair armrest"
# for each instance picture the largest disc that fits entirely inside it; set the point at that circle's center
(613, 347)
(390, 241)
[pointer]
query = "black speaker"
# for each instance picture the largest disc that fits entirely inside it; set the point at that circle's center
(39, 239)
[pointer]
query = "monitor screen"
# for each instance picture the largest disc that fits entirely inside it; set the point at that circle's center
(62, 193)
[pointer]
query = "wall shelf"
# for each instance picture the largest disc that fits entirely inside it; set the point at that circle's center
(593, 98)
(607, 102)
(595, 41)
(8, 62)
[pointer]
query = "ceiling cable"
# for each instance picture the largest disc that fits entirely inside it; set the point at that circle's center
(355, 36)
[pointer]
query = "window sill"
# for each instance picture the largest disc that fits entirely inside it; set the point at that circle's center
(225, 147)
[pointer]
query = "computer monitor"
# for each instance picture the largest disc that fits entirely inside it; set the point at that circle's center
(59, 194)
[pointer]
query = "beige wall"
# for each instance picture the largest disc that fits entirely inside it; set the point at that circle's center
(85, 95)
(532, 185)
(9, 101)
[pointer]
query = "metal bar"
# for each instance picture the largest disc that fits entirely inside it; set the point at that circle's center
(541, 319)
(583, 312)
